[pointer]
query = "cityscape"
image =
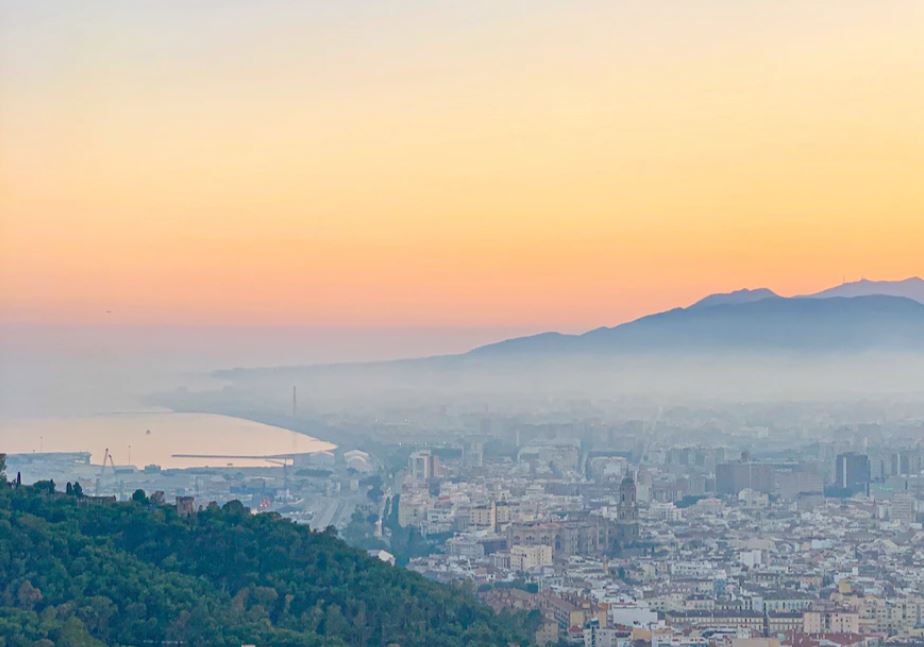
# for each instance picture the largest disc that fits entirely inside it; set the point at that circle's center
(691, 526)
(477, 323)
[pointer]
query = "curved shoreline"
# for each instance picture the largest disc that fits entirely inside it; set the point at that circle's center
(160, 438)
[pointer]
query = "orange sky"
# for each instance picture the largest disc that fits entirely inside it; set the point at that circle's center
(549, 164)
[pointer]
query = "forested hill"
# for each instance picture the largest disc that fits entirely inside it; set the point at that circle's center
(73, 572)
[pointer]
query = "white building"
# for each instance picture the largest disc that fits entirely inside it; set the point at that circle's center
(636, 614)
(525, 558)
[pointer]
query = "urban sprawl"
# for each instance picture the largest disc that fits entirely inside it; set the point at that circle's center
(618, 535)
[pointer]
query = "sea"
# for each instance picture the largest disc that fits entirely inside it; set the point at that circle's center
(159, 437)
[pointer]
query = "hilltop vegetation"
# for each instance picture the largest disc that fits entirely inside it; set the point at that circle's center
(79, 573)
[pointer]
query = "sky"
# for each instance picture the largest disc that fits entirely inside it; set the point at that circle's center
(479, 165)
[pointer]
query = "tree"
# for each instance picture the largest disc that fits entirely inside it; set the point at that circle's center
(2, 468)
(45, 486)
(74, 634)
(28, 595)
(77, 489)
(69, 489)
(335, 624)
(138, 496)
(235, 509)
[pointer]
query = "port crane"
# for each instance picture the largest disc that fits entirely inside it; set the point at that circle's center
(107, 458)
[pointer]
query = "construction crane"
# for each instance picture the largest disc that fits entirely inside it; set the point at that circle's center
(107, 458)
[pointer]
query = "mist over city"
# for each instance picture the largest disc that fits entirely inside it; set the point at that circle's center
(480, 324)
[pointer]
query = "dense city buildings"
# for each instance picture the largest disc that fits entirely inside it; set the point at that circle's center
(691, 529)
(660, 543)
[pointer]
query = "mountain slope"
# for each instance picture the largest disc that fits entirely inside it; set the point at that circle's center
(738, 296)
(910, 288)
(736, 344)
(771, 324)
(138, 574)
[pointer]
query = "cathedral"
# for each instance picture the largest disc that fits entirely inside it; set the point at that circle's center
(625, 531)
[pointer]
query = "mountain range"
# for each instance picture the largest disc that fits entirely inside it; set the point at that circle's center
(858, 316)
(859, 336)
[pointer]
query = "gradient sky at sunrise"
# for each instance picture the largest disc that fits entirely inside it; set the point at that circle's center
(541, 164)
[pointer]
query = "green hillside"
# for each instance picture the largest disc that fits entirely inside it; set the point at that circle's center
(77, 573)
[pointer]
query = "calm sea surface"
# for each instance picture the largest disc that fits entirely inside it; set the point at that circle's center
(155, 437)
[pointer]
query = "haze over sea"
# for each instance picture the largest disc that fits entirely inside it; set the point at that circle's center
(84, 388)
(82, 370)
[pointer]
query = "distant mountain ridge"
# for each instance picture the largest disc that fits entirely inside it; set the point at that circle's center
(799, 324)
(853, 317)
(749, 321)
(738, 296)
(910, 288)
(750, 344)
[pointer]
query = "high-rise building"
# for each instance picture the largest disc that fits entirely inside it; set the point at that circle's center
(905, 462)
(424, 465)
(852, 472)
(473, 453)
(792, 481)
(731, 478)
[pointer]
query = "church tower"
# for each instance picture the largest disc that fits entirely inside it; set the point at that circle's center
(627, 509)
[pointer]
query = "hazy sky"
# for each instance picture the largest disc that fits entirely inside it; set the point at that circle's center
(527, 164)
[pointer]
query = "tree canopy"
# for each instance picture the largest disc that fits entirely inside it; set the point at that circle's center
(74, 571)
